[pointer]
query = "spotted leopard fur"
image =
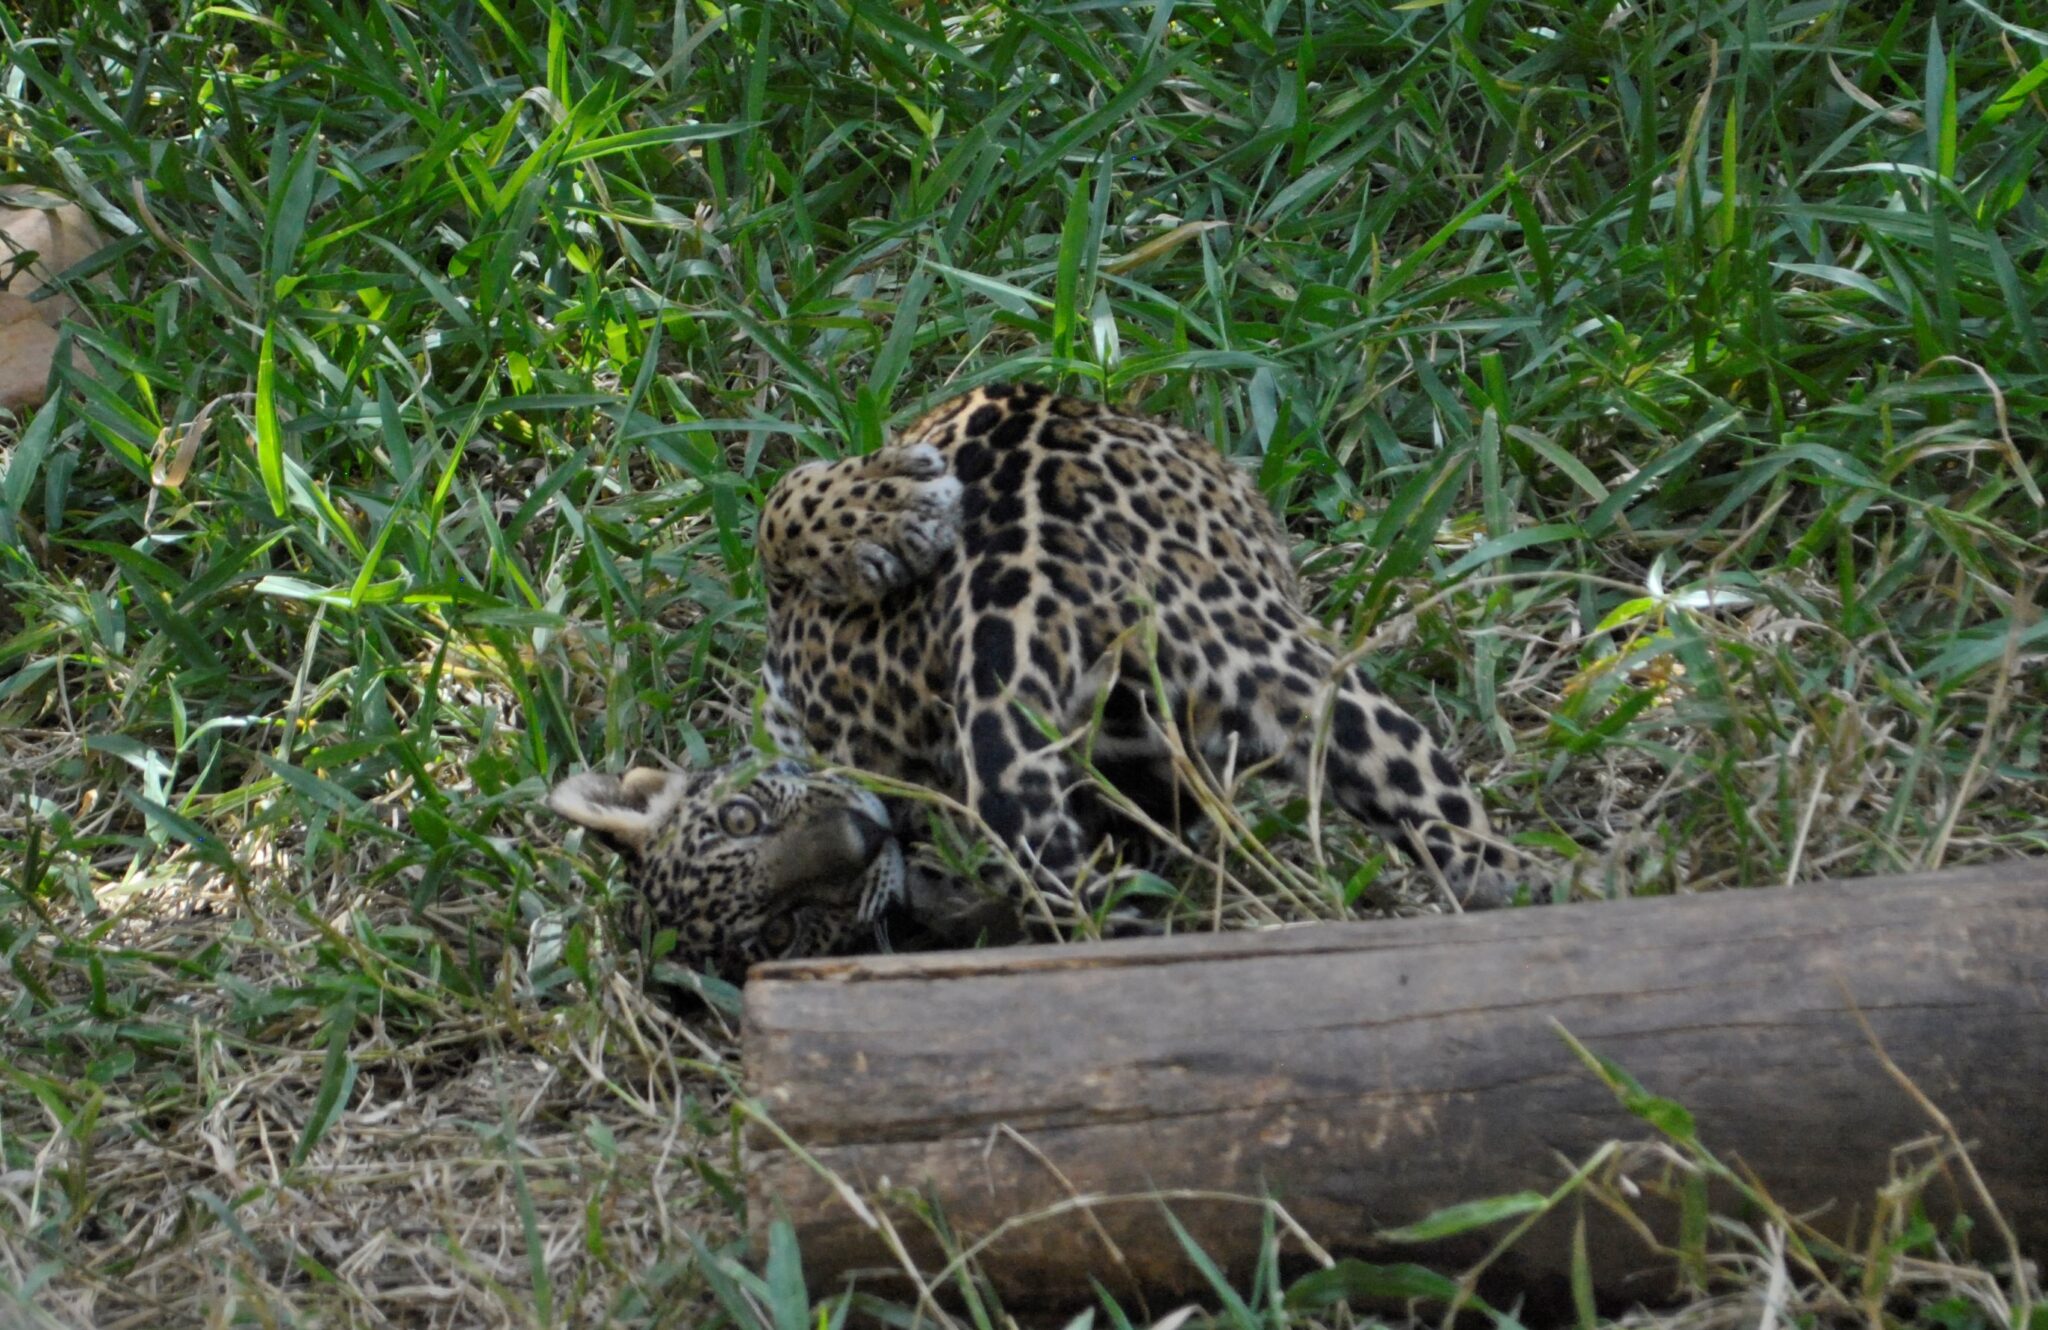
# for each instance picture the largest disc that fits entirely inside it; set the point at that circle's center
(972, 606)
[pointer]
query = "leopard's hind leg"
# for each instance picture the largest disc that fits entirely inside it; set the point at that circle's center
(1287, 696)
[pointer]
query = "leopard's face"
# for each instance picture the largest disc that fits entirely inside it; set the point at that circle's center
(746, 862)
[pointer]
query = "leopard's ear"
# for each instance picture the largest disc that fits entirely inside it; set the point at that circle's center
(625, 812)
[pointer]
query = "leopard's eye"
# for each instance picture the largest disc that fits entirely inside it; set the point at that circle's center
(739, 817)
(778, 933)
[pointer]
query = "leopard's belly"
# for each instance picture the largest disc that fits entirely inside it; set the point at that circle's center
(868, 685)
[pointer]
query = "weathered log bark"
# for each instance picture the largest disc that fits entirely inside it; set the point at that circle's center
(1369, 1074)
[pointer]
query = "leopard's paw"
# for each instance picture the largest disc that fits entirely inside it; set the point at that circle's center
(856, 530)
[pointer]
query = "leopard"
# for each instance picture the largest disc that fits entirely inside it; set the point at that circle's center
(1044, 609)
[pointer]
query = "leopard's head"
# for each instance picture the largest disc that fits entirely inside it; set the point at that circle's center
(754, 860)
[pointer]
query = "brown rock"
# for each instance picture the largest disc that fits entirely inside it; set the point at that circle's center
(57, 238)
(26, 350)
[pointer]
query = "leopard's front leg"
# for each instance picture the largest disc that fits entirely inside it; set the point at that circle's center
(1015, 700)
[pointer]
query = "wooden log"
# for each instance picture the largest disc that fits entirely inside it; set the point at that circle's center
(1366, 1075)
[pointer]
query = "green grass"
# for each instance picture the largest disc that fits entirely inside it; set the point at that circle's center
(1659, 389)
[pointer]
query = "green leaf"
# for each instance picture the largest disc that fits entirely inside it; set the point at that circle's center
(1940, 106)
(317, 790)
(1353, 1280)
(1466, 1216)
(1584, 1304)
(25, 461)
(718, 1275)
(2014, 97)
(1067, 283)
(184, 830)
(1973, 651)
(1486, 551)
(1235, 1308)
(337, 1081)
(292, 178)
(719, 994)
(789, 1301)
(1627, 612)
(269, 432)
(1006, 295)
(1572, 467)
(1666, 1115)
